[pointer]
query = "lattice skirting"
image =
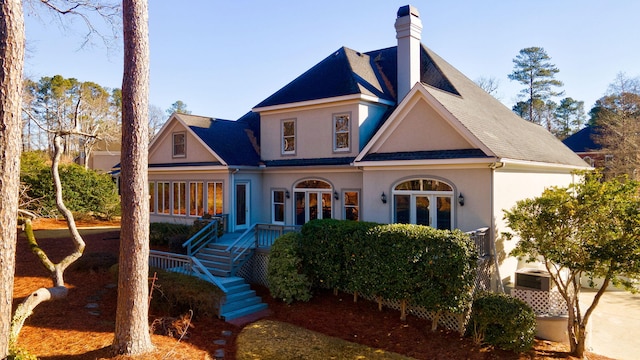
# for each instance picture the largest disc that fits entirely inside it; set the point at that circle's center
(255, 272)
(542, 302)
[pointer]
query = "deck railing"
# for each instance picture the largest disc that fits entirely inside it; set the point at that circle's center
(183, 264)
(482, 240)
(206, 235)
(258, 236)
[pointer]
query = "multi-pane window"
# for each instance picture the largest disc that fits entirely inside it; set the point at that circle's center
(278, 207)
(152, 197)
(163, 197)
(196, 198)
(351, 205)
(179, 198)
(214, 198)
(288, 137)
(341, 132)
(179, 144)
(424, 202)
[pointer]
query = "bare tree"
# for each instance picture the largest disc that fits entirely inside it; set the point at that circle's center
(11, 67)
(132, 327)
(489, 84)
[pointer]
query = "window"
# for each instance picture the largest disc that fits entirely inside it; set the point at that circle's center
(163, 197)
(313, 200)
(179, 198)
(424, 202)
(214, 198)
(179, 144)
(341, 132)
(196, 199)
(277, 201)
(288, 137)
(152, 197)
(351, 205)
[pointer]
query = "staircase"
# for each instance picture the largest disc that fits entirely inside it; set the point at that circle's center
(240, 300)
(217, 260)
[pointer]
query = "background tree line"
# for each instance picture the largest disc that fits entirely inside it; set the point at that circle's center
(614, 118)
(54, 103)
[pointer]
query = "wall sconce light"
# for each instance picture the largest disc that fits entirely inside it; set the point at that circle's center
(286, 194)
(461, 199)
(335, 195)
(383, 198)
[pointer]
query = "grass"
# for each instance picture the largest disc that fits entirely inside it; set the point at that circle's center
(268, 339)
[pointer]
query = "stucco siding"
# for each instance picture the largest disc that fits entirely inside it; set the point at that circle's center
(162, 151)
(511, 185)
(471, 182)
(422, 129)
(313, 133)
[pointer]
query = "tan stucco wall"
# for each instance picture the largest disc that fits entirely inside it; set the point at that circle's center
(340, 180)
(162, 148)
(104, 160)
(423, 129)
(314, 132)
(513, 184)
(472, 183)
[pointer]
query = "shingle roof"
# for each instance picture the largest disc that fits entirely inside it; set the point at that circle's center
(310, 162)
(236, 142)
(427, 155)
(582, 141)
(497, 127)
(345, 72)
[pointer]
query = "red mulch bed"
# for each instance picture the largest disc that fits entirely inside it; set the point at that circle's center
(66, 329)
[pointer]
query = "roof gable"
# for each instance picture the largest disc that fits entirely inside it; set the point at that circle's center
(582, 141)
(161, 148)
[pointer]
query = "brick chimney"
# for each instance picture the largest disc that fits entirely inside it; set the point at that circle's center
(408, 33)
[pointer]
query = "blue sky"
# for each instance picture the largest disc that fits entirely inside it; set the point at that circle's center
(223, 57)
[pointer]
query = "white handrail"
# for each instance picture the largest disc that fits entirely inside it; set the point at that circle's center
(188, 264)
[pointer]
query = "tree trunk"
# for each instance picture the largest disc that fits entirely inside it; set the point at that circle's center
(132, 325)
(11, 66)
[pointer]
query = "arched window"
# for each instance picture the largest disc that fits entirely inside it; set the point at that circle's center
(424, 202)
(313, 200)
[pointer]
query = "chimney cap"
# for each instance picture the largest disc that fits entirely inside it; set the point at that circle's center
(408, 10)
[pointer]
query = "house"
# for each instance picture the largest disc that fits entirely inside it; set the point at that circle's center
(583, 144)
(390, 135)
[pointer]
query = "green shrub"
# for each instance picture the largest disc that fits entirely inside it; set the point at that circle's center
(175, 294)
(502, 321)
(83, 191)
(160, 234)
(286, 282)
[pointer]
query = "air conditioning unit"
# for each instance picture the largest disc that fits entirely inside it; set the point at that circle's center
(533, 279)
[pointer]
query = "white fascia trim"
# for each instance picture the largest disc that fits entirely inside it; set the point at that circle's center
(321, 102)
(413, 163)
(523, 164)
(187, 168)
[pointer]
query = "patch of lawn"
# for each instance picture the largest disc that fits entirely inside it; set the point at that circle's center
(267, 339)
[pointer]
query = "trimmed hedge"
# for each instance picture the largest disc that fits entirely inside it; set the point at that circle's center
(435, 269)
(502, 321)
(286, 282)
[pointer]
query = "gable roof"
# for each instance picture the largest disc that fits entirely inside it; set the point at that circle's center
(345, 72)
(582, 141)
(235, 142)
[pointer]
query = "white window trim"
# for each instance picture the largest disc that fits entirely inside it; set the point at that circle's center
(284, 206)
(282, 139)
(173, 144)
(335, 133)
(345, 205)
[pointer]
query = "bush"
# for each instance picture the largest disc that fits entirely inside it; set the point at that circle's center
(502, 321)
(83, 191)
(161, 234)
(175, 294)
(286, 282)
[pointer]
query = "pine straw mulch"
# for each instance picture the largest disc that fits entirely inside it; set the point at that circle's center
(67, 329)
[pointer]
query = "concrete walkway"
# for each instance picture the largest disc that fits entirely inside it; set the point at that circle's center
(614, 325)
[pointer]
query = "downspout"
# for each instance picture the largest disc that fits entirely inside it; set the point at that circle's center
(232, 199)
(494, 166)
